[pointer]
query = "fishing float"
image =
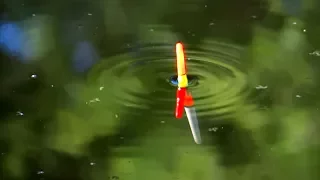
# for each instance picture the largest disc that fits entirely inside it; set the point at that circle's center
(184, 99)
(182, 80)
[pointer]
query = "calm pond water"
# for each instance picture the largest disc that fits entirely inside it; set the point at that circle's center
(88, 90)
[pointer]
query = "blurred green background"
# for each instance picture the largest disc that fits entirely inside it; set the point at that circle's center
(85, 89)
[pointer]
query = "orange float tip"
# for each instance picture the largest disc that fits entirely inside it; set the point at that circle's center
(181, 63)
(179, 45)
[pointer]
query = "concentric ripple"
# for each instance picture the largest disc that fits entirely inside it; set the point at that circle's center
(142, 82)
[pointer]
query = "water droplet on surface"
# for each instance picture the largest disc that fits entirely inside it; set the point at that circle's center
(315, 53)
(19, 113)
(261, 87)
(114, 177)
(94, 100)
(214, 129)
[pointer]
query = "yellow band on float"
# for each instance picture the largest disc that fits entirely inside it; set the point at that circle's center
(183, 81)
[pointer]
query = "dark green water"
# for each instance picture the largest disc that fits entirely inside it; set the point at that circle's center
(255, 64)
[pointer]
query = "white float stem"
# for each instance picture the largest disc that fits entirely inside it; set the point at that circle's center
(193, 122)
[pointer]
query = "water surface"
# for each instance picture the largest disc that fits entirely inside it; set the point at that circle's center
(95, 97)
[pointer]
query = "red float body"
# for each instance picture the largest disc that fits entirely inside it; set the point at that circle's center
(181, 93)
